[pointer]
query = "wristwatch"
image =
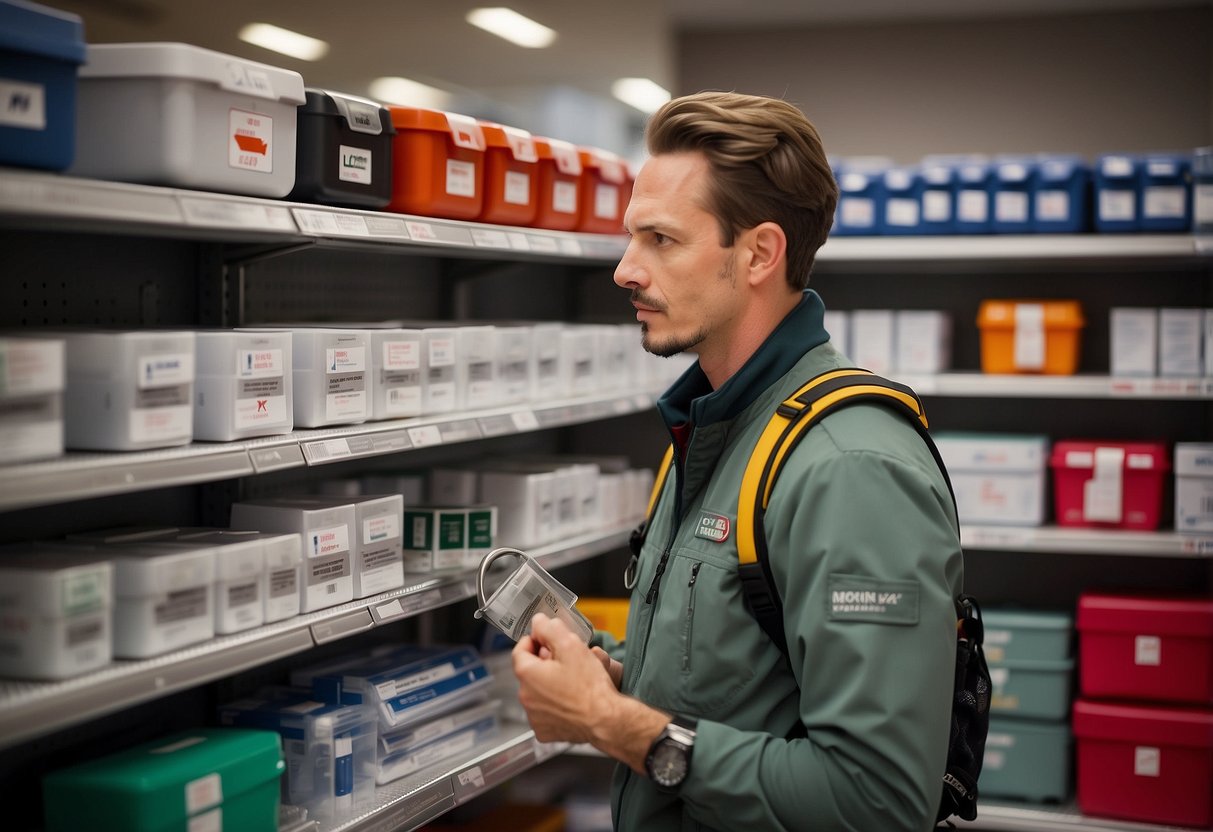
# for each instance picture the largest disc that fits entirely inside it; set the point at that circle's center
(669, 759)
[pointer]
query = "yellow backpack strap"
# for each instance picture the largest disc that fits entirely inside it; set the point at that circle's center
(787, 425)
(636, 540)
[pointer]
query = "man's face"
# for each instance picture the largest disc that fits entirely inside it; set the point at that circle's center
(681, 278)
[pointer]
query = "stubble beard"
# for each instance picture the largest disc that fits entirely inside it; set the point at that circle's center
(676, 346)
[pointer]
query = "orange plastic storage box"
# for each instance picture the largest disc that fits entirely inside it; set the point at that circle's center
(609, 614)
(1111, 485)
(1030, 336)
(604, 178)
(1154, 647)
(437, 164)
(1145, 763)
(559, 185)
(511, 175)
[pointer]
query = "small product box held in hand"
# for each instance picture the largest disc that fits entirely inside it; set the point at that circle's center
(1114, 485)
(208, 778)
(1030, 336)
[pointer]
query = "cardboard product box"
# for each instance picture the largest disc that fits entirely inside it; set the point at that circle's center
(177, 114)
(32, 380)
(511, 175)
(838, 325)
(240, 578)
(282, 553)
(378, 558)
(396, 368)
(435, 538)
(1027, 759)
(403, 751)
(526, 505)
(1145, 763)
(344, 155)
(1022, 336)
(1146, 647)
(204, 778)
(578, 360)
(332, 381)
(243, 384)
(481, 534)
(1180, 342)
(999, 479)
(1103, 484)
(55, 611)
(515, 365)
(1194, 487)
(442, 365)
(546, 349)
(410, 485)
(437, 164)
(1134, 342)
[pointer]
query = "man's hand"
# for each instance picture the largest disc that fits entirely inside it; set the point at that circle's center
(613, 668)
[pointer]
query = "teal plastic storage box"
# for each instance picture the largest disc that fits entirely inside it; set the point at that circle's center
(1031, 689)
(220, 779)
(1026, 760)
(40, 50)
(1015, 635)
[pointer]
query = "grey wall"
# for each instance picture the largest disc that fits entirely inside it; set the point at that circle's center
(1131, 81)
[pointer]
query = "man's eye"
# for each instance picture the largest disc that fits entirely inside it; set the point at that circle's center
(659, 238)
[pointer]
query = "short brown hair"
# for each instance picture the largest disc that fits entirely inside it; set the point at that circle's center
(768, 165)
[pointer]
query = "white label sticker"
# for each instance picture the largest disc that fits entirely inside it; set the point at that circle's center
(345, 360)
(1052, 206)
(258, 363)
(564, 197)
(936, 206)
(329, 541)
(1147, 761)
(203, 793)
(22, 104)
(165, 370)
(354, 164)
(401, 355)
(1011, 206)
(1029, 336)
(857, 213)
(473, 775)
(161, 424)
(460, 178)
(1103, 493)
(1164, 203)
(267, 410)
(973, 206)
(1202, 204)
(1117, 206)
(375, 529)
(517, 187)
(403, 401)
(903, 212)
(1147, 651)
(442, 351)
(250, 143)
(606, 202)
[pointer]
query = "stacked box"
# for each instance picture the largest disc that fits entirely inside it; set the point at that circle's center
(998, 479)
(243, 385)
(31, 398)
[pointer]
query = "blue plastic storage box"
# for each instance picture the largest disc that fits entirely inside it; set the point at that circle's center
(938, 199)
(40, 49)
(902, 211)
(860, 200)
(1062, 196)
(974, 183)
(1166, 193)
(1117, 193)
(1011, 196)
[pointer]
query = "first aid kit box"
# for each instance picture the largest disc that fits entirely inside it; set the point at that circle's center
(55, 610)
(1030, 336)
(1016, 635)
(1194, 487)
(604, 180)
(1061, 196)
(331, 377)
(40, 51)
(437, 164)
(344, 155)
(999, 479)
(559, 173)
(32, 378)
(164, 596)
(1027, 759)
(243, 384)
(176, 114)
(1166, 192)
(1011, 196)
(1144, 763)
(1146, 647)
(129, 390)
(205, 778)
(1117, 193)
(511, 181)
(1102, 484)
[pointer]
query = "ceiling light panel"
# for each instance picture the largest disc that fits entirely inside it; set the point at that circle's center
(284, 41)
(512, 26)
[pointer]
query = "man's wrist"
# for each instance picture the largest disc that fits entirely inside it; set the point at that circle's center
(628, 731)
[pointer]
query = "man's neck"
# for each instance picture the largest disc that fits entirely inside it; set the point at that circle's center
(719, 365)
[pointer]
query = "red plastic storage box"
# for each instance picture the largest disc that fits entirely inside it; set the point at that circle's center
(559, 185)
(1144, 763)
(1146, 647)
(604, 177)
(437, 164)
(1116, 485)
(511, 175)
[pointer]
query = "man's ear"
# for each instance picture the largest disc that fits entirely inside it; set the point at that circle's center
(767, 247)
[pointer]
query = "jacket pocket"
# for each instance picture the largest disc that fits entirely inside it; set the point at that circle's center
(688, 628)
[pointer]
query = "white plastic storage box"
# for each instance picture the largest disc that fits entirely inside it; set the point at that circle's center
(923, 341)
(243, 384)
(515, 364)
(327, 533)
(999, 479)
(396, 373)
(175, 114)
(1194, 487)
(239, 578)
(164, 597)
(40, 51)
(1027, 759)
(345, 151)
(477, 375)
(1134, 341)
(441, 357)
(377, 558)
(546, 349)
(31, 398)
(282, 555)
(55, 610)
(332, 382)
(129, 391)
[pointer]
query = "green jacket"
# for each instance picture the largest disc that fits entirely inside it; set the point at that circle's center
(859, 507)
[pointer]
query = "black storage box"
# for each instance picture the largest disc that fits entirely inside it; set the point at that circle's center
(345, 151)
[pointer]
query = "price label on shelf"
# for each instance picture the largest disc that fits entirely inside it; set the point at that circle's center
(237, 215)
(490, 238)
(327, 450)
(524, 420)
(425, 435)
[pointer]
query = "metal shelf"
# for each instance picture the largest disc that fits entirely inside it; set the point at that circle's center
(995, 817)
(995, 247)
(31, 709)
(82, 475)
(983, 385)
(1070, 541)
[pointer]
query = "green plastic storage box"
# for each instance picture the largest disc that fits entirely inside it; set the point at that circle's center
(217, 779)
(1031, 689)
(1014, 635)
(1026, 759)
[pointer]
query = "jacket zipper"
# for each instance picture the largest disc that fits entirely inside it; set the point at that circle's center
(688, 621)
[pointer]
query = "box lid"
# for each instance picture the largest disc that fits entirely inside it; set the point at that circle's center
(1054, 620)
(1014, 173)
(1152, 724)
(43, 579)
(938, 174)
(1129, 456)
(1060, 169)
(855, 181)
(182, 60)
(39, 30)
(1172, 166)
(1194, 459)
(900, 179)
(1052, 314)
(171, 778)
(464, 131)
(360, 115)
(563, 154)
(155, 568)
(609, 166)
(973, 173)
(1117, 166)
(993, 452)
(1146, 614)
(519, 142)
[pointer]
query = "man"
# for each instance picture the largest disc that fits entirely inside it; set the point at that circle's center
(714, 727)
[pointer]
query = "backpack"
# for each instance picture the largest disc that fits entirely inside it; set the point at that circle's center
(823, 394)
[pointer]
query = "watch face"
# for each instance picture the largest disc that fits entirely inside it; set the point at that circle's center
(669, 764)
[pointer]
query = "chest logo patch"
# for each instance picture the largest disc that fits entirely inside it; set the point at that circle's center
(714, 527)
